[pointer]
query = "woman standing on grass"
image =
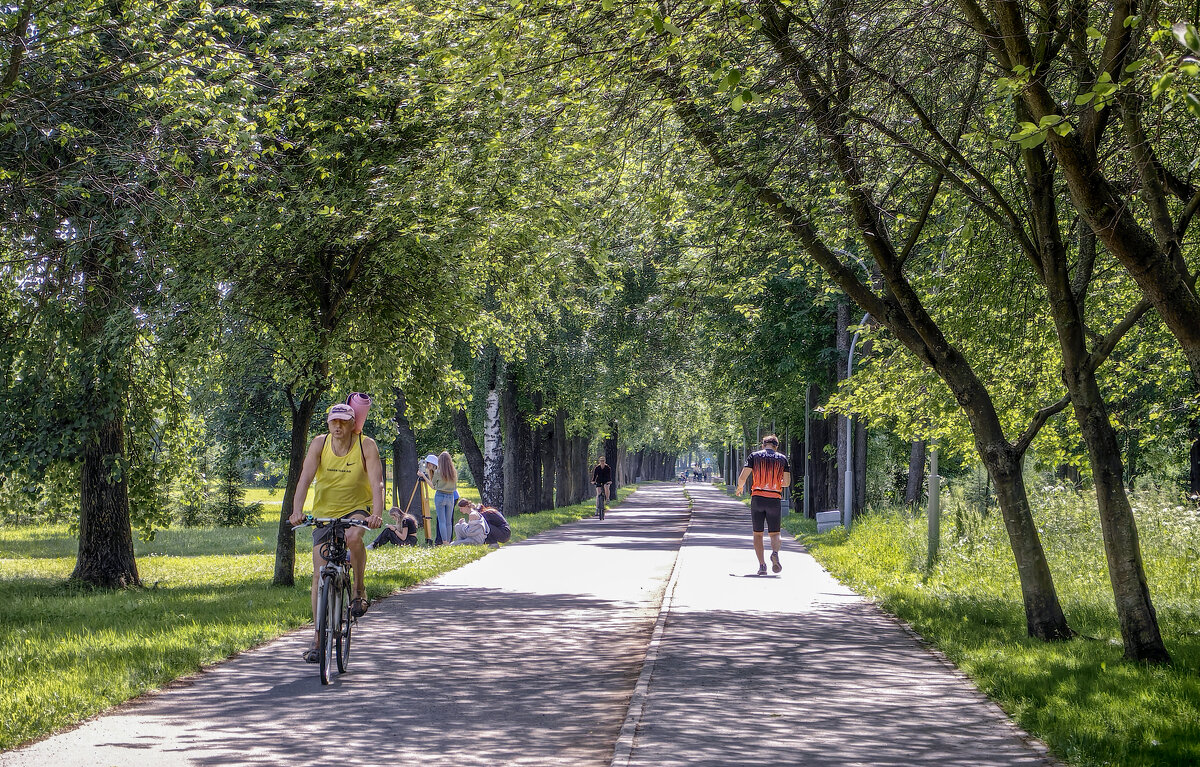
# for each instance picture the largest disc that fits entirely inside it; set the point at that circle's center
(445, 483)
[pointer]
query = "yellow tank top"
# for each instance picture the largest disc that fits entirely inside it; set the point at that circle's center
(341, 482)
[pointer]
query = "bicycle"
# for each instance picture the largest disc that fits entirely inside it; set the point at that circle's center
(334, 619)
(600, 502)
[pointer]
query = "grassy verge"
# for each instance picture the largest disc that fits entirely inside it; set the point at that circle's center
(67, 653)
(1088, 704)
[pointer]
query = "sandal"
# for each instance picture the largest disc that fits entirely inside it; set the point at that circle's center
(358, 607)
(312, 655)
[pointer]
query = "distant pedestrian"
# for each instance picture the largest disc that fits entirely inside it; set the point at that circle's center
(771, 473)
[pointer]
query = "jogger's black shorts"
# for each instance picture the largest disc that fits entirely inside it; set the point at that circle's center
(765, 512)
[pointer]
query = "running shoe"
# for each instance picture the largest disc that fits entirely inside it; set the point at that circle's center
(775, 566)
(762, 569)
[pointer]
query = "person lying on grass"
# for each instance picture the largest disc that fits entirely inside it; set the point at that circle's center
(349, 481)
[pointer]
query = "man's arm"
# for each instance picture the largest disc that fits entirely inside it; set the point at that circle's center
(747, 472)
(787, 479)
(375, 479)
(312, 460)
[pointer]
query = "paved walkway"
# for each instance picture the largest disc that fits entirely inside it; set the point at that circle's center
(534, 656)
(796, 670)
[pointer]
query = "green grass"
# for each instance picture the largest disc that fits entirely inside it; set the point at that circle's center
(1087, 703)
(68, 652)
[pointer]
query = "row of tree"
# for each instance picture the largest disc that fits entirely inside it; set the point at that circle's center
(550, 224)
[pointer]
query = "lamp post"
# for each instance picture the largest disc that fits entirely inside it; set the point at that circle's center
(848, 489)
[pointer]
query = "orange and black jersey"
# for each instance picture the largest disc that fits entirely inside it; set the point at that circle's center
(769, 468)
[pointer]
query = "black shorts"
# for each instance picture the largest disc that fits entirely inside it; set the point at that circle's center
(766, 512)
(321, 533)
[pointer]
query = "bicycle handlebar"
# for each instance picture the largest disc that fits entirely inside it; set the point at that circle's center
(311, 521)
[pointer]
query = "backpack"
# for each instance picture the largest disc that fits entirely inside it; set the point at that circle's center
(498, 529)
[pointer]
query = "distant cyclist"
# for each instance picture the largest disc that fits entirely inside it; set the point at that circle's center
(349, 483)
(771, 473)
(602, 477)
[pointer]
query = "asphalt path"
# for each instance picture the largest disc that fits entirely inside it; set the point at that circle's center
(622, 642)
(796, 669)
(527, 656)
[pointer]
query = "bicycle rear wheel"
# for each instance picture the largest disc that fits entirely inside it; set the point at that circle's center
(327, 616)
(600, 504)
(345, 619)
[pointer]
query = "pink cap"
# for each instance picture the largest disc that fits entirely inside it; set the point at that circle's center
(340, 412)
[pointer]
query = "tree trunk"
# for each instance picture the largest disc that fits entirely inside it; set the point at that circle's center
(916, 473)
(470, 448)
(492, 488)
(285, 539)
(797, 462)
(106, 556)
(404, 457)
(562, 460)
(1194, 458)
(548, 441)
(1135, 611)
(1068, 473)
(1044, 618)
(514, 477)
(610, 453)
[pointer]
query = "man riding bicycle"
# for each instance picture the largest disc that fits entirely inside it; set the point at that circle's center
(349, 483)
(602, 477)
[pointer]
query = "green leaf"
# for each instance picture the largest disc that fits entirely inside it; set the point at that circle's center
(1084, 98)
(1193, 104)
(1132, 21)
(606, 5)
(732, 79)
(1134, 66)
(1094, 33)
(1063, 128)
(1186, 35)
(737, 103)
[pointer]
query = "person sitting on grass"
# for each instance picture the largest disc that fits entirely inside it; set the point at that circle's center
(472, 529)
(402, 533)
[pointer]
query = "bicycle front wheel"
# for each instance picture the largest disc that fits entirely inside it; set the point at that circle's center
(327, 622)
(344, 621)
(600, 504)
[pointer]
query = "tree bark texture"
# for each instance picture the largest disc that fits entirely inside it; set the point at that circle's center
(916, 473)
(610, 453)
(562, 459)
(105, 556)
(404, 456)
(514, 477)
(492, 488)
(1194, 459)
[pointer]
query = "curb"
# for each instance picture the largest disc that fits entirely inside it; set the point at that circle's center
(623, 750)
